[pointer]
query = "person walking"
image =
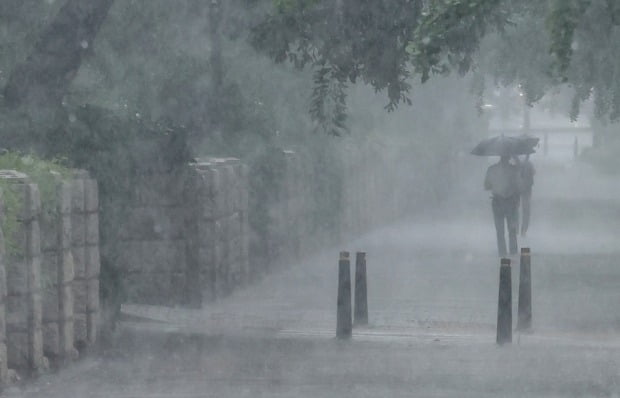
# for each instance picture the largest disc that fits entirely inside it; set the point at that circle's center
(527, 179)
(504, 181)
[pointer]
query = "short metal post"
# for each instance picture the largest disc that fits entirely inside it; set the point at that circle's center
(361, 294)
(504, 305)
(343, 317)
(524, 319)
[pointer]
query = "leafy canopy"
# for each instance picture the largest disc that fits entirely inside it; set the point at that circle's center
(385, 43)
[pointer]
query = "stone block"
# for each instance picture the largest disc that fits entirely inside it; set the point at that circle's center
(66, 337)
(93, 262)
(66, 302)
(49, 235)
(92, 229)
(235, 254)
(49, 267)
(50, 304)
(51, 339)
(202, 185)
(236, 186)
(37, 359)
(80, 329)
(17, 279)
(32, 204)
(93, 295)
(208, 232)
(64, 197)
(80, 296)
(178, 220)
(33, 239)
(208, 209)
(2, 324)
(18, 350)
(92, 325)
(91, 196)
(222, 231)
(4, 359)
(206, 258)
(79, 262)
(19, 244)
(36, 309)
(67, 266)
(3, 289)
(244, 190)
(64, 230)
(78, 229)
(77, 195)
(17, 312)
(214, 206)
(229, 190)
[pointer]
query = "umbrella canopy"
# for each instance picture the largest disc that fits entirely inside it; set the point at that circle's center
(506, 146)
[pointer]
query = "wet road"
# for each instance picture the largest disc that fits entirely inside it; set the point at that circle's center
(433, 284)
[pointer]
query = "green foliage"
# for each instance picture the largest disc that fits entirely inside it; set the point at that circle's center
(536, 45)
(10, 225)
(329, 102)
(344, 42)
(449, 33)
(46, 174)
(562, 21)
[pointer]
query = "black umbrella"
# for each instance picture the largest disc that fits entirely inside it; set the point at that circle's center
(506, 146)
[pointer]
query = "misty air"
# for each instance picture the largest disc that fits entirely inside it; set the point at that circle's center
(309, 198)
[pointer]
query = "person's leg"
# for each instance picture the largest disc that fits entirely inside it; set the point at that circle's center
(525, 208)
(512, 220)
(498, 217)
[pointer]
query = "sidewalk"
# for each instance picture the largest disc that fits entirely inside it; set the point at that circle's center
(438, 273)
(432, 296)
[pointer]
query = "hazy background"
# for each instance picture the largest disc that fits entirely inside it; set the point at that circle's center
(179, 80)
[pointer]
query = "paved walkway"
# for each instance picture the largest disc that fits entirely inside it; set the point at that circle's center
(432, 284)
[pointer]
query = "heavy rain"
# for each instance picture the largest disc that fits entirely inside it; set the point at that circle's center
(309, 198)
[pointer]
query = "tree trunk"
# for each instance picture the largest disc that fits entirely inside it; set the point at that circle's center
(44, 77)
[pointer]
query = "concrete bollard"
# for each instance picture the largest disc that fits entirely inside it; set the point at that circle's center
(546, 144)
(504, 305)
(524, 319)
(361, 293)
(344, 324)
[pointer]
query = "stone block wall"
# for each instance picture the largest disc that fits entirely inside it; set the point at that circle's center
(186, 234)
(40, 291)
(217, 233)
(85, 252)
(57, 270)
(23, 277)
(151, 251)
(3, 301)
